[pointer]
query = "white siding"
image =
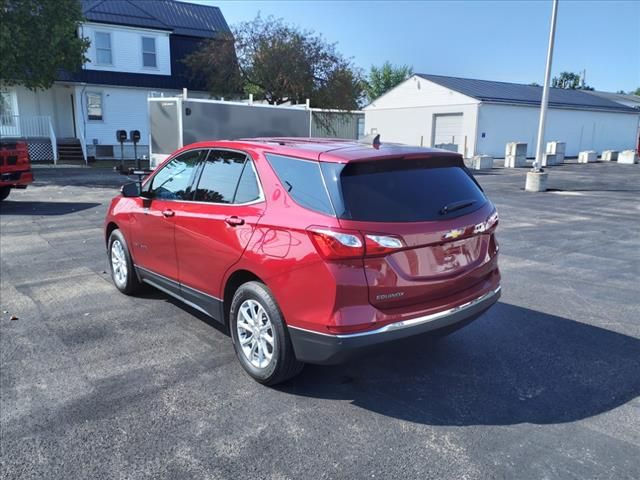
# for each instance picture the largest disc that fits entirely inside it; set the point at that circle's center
(414, 126)
(418, 92)
(123, 108)
(126, 49)
(580, 129)
(406, 114)
(34, 103)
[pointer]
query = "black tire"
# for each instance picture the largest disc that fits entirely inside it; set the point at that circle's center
(131, 284)
(4, 192)
(283, 364)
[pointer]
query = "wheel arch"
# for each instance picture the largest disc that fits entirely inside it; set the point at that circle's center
(111, 226)
(233, 282)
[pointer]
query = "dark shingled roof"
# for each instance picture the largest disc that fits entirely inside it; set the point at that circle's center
(181, 18)
(518, 94)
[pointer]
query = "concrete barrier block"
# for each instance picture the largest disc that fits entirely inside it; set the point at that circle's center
(515, 155)
(549, 160)
(559, 149)
(588, 156)
(628, 157)
(609, 156)
(536, 182)
(482, 162)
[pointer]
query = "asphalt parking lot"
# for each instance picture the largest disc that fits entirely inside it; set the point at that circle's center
(95, 384)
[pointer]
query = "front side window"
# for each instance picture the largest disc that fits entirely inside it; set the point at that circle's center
(94, 106)
(303, 180)
(103, 48)
(227, 178)
(174, 180)
(149, 52)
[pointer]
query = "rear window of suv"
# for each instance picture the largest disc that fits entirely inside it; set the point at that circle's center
(402, 190)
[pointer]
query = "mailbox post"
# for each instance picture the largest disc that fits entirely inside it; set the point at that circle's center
(134, 135)
(121, 136)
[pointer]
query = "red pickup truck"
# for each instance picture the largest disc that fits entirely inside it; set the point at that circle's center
(15, 167)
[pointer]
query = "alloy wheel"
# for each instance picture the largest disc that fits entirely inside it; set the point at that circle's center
(255, 334)
(119, 263)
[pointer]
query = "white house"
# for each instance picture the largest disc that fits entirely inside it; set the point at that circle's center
(481, 117)
(136, 51)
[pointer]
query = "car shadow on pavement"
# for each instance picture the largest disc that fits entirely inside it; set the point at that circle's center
(8, 207)
(513, 365)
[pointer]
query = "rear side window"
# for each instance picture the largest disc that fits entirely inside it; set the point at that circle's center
(247, 190)
(303, 180)
(402, 190)
(220, 176)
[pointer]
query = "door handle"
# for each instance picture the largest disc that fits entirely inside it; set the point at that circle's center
(168, 212)
(234, 221)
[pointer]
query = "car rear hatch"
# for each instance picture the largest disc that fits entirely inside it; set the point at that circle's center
(425, 222)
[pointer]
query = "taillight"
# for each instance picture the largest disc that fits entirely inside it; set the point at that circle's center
(337, 244)
(488, 225)
(381, 244)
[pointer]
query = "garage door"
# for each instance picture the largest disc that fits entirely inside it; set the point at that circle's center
(447, 132)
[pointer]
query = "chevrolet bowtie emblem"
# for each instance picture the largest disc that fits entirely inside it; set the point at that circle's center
(453, 234)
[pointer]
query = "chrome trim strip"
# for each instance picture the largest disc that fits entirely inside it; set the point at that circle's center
(178, 284)
(413, 322)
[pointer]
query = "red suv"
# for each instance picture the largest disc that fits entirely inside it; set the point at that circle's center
(310, 249)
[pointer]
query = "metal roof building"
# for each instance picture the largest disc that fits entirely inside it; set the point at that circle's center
(186, 24)
(480, 116)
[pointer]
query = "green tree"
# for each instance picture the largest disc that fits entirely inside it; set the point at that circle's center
(384, 78)
(569, 81)
(636, 92)
(37, 39)
(279, 63)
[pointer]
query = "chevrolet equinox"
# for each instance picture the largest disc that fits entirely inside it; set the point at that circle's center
(310, 249)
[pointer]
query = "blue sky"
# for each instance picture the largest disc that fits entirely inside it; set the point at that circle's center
(493, 40)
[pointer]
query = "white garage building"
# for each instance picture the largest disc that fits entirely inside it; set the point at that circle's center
(480, 117)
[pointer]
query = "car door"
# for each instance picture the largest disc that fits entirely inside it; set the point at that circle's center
(153, 223)
(213, 230)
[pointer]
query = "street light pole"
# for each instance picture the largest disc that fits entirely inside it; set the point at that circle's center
(537, 166)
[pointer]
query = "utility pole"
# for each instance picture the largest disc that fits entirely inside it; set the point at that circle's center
(537, 179)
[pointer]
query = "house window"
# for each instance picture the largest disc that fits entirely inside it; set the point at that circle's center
(149, 52)
(103, 48)
(94, 106)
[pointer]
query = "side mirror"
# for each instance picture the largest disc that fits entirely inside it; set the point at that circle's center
(131, 189)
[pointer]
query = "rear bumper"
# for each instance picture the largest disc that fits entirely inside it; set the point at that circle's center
(326, 349)
(16, 179)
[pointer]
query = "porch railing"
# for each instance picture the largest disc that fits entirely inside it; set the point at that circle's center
(54, 143)
(25, 126)
(83, 145)
(30, 127)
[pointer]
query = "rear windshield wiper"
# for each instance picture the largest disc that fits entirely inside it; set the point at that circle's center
(453, 206)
